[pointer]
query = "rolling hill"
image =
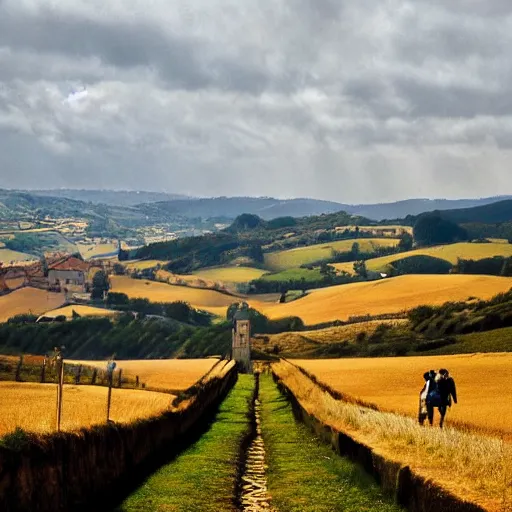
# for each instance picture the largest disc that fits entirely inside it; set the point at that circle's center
(386, 296)
(283, 260)
(448, 253)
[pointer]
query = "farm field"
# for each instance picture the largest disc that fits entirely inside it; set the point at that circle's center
(92, 250)
(6, 256)
(28, 300)
(484, 385)
(291, 258)
(290, 446)
(173, 374)
(32, 406)
(203, 477)
(229, 274)
(446, 252)
(67, 311)
(143, 264)
(387, 296)
(209, 300)
(294, 274)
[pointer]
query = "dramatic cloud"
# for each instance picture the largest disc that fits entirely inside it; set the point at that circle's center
(351, 101)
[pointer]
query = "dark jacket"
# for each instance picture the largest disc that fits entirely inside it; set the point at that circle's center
(447, 390)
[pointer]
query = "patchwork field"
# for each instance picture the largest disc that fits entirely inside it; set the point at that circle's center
(32, 406)
(6, 256)
(28, 300)
(174, 374)
(484, 385)
(446, 252)
(291, 258)
(387, 296)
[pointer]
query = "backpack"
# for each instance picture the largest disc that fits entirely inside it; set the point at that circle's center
(434, 396)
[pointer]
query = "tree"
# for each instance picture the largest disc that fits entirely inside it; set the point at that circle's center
(406, 241)
(356, 250)
(360, 269)
(118, 269)
(432, 229)
(100, 285)
(506, 271)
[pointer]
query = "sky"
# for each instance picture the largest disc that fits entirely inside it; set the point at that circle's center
(352, 101)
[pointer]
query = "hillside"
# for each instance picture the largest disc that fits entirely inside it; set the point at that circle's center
(28, 300)
(449, 253)
(386, 296)
(487, 214)
(282, 260)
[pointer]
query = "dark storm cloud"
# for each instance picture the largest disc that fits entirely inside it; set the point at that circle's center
(345, 100)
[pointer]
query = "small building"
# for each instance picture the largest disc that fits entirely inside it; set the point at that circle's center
(69, 273)
(241, 348)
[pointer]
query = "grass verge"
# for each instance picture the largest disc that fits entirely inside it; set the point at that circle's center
(203, 477)
(304, 474)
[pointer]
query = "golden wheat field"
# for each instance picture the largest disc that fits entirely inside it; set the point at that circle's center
(293, 258)
(32, 406)
(173, 374)
(471, 465)
(446, 252)
(484, 385)
(92, 250)
(387, 296)
(28, 300)
(67, 311)
(209, 300)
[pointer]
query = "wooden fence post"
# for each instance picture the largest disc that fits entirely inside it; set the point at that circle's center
(111, 366)
(43, 370)
(78, 374)
(120, 378)
(137, 381)
(19, 367)
(60, 380)
(94, 376)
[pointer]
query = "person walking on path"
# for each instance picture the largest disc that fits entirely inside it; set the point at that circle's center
(441, 390)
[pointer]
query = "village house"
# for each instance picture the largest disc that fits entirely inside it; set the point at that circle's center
(68, 274)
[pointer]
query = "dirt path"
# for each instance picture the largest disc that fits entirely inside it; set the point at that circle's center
(254, 496)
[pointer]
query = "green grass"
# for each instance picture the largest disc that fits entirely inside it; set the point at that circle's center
(307, 476)
(203, 477)
(497, 340)
(291, 258)
(294, 274)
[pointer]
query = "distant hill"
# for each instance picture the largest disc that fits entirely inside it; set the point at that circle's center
(269, 208)
(110, 197)
(487, 214)
(401, 209)
(160, 203)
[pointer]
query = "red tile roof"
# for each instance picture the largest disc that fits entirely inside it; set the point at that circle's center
(70, 263)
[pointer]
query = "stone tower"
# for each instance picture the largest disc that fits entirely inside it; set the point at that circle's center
(241, 349)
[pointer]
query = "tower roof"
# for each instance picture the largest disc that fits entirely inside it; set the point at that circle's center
(242, 314)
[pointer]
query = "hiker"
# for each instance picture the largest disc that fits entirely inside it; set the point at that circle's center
(422, 414)
(441, 389)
